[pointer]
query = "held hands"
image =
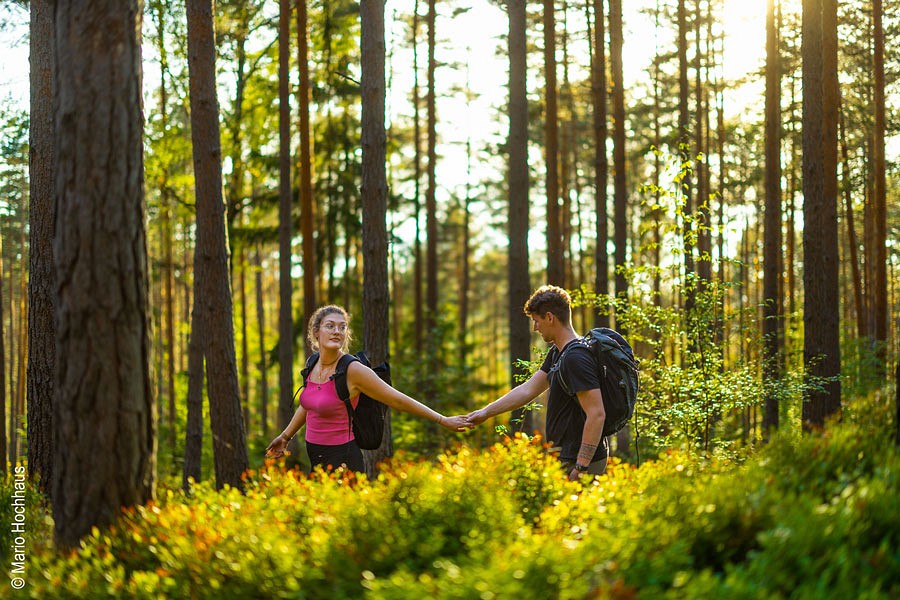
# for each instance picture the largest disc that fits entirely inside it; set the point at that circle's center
(277, 447)
(457, 423)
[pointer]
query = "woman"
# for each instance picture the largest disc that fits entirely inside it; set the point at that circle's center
(329, 439)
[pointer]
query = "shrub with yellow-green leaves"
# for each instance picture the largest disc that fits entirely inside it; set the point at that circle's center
(808, 517)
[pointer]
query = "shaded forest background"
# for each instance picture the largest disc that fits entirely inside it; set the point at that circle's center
(686, 230)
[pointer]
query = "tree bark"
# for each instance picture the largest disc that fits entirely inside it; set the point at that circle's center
(261, 327)
(555, 262)
(772, 262)
(376, 316)
(104, 410)
(821, 349)
(42, 278)
(517, 218)
(620, 201)
(879, 204)
(601, 161)
(307, 209)
(285, 316)
(212, 297)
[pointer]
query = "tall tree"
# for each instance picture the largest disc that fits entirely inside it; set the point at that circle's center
(601, 161)
(879, 204)
(42, 223)
(104, 411)
(772, 262)
(821, 349)
(517, 217)
(620, 198)
(555, 259)
(683, 141)
(307, 214)
(376, 328)
(285, 316)
(212, 283)
(431, 225)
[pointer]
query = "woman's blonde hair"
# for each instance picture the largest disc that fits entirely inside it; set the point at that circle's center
(315, 321)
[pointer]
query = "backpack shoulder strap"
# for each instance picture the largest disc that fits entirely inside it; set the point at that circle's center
(340, 378)
(559, 368)
(310, 363)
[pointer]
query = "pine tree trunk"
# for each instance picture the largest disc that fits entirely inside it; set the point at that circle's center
(772, 268)
(879, 283)
(212, 297)
(285, 315)
(307, 210)
(601, 162)
(376, 316)
(620, 201)
(517, 214)
(821, 351)
(42, 276)
(417, 174)
(261, 327)
(104, 410)
(555, 266)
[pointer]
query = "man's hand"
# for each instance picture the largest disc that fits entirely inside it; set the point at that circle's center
(477, 417)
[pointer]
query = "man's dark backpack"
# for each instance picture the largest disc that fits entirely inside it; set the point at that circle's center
(367, 420)
(618, 373)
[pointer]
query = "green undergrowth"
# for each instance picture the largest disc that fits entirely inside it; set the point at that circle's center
(814, 516)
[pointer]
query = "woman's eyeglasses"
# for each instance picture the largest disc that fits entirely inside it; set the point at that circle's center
(331, 327)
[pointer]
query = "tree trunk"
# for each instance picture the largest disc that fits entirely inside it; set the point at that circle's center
(684, 149)
(307, 210)
(376, 298)
(104, 410)
(42, 276)
(821, 351)
(285, 316)
(517, 216)
(261, 326)
(772, 267)
(620, 201)
(704, 259)
(431, 225)
(601, 162)
(555, 266)
(212, 297)
(879, 204)
(193, 437)
(417, 200)
(851, 233)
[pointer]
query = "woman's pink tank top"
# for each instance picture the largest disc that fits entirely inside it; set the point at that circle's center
(327, 422)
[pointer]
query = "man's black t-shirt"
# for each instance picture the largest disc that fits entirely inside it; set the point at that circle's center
(565, 417)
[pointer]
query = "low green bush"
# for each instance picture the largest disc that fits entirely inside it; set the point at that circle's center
(804, 517)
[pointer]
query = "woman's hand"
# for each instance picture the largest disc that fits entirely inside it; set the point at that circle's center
(457, 423)
(277, 447)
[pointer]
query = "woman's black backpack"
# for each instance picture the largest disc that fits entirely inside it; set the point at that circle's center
(367, 420)
(617, 370)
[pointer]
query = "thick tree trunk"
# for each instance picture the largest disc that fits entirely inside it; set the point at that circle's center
(285, 315)
(376, 316)
(104, 410)
(193, 437)
(517, 216)
(821, 351)
(42, 275)
(212, 297)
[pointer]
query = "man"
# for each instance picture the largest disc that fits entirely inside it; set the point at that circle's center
(574, 421)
